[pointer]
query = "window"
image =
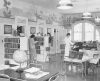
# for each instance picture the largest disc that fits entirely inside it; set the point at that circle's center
(78, 32)
(89, 32)
(84, 32)
(97, 35)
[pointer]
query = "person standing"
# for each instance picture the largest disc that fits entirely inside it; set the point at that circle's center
(68, 43)
(32, 50)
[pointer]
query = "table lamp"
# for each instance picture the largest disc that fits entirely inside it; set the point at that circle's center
(19, 56)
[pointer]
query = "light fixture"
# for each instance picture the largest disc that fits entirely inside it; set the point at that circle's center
(86, 14)
(97, 19)
(64, 4)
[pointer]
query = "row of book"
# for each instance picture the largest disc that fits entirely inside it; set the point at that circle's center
(10, 56)
(10, 51)
(11, 45)
(14, 40)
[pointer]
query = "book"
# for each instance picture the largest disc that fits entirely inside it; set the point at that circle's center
(32, 70)
(36, 75)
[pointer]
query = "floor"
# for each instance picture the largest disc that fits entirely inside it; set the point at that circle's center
(57, 65)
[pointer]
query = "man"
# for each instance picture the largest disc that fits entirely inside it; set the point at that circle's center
(68, 43)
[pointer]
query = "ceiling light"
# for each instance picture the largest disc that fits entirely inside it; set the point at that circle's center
(64, 4)
(86, 15)
(97, 19)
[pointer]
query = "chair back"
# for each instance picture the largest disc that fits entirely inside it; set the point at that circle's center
(62, 46)
(95, 56)
(54, 77)
(47, 48)
(73, 54)
(80, 55)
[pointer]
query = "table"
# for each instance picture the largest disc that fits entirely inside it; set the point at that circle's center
(21, 76)
(77, 63)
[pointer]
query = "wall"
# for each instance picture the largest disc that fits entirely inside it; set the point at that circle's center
(70, 19)
(32, 12)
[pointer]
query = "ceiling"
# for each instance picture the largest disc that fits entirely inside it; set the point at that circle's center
(79, 6)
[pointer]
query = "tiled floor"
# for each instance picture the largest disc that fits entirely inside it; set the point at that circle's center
(57, 65)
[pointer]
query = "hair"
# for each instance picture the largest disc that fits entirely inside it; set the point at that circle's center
(68, 34)
(32, 36)
(49, 34)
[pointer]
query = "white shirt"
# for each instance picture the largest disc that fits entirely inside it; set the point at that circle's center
(67, 42)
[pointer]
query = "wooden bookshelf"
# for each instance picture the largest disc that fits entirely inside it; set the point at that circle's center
(11, 44)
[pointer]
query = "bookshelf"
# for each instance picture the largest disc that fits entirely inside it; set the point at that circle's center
(42, 43)
(11, 44)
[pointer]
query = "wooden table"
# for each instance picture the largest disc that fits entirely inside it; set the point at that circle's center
(21, 76)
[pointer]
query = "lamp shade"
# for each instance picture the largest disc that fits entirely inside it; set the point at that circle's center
(19, 56)
(86, 15)
(97, 19)
(64, 4)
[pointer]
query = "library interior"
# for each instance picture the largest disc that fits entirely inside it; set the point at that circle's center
(49, 40)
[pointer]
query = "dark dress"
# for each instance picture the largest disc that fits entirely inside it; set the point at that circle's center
(32, 50)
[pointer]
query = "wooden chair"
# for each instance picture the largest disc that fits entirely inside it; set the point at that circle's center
(34, 63)
(49, 55)
(62, 48)
(54, 77)
(94, 63)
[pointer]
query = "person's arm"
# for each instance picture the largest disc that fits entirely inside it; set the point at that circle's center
(71, 42)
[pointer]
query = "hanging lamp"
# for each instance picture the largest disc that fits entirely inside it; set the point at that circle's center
(87, 14)
(97, 19)
(65, 4)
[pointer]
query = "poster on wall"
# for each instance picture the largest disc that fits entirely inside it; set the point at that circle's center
(32, 30)
(49, 30)
(7, 29)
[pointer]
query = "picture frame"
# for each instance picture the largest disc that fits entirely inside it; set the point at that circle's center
(49, 30)
(7, 29)
(32, 30)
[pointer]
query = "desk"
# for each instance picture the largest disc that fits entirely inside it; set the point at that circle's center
(77, 63)
(20, 77)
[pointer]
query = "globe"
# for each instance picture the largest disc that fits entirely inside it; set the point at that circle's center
(19, 56)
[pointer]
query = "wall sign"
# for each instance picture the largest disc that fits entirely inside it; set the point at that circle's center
(32, 30)
(22, 21)
(42, 27)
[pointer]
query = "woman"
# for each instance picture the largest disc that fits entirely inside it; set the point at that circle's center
(67, 45)
(32, 50)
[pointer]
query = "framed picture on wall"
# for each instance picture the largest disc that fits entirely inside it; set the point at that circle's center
(41, 30)
(7, 29)
(32, 30)
(49, 30)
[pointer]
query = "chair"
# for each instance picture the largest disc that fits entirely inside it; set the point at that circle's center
(94, 63)
(62, 48)
(49, 55)
(4, 77)
(54, 77)
(34, 63)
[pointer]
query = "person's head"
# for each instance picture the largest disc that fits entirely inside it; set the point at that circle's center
(48, 34)
(32, 36)
(68, 34)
